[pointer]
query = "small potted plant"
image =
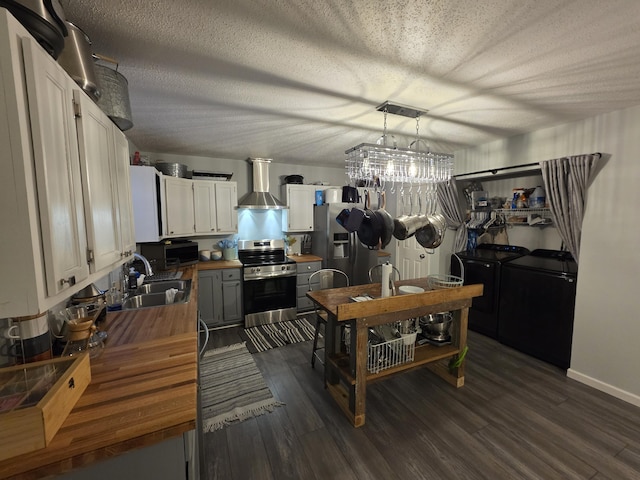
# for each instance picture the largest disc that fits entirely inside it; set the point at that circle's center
(228, 247)
(290, 241)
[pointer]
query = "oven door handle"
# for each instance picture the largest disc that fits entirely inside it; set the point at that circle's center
(274, 275)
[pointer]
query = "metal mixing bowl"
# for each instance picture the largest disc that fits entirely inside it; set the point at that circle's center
(436, 324)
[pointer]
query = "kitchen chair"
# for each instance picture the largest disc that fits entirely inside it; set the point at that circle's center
(319, 280)
(375, 274)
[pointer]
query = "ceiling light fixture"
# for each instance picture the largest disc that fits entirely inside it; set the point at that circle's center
(375, 164)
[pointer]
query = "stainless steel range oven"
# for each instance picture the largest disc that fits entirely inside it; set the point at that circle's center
(269, 282)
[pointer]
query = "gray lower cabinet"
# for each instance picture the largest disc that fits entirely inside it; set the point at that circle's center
(305, 269)
(172, 459)
(220, 296)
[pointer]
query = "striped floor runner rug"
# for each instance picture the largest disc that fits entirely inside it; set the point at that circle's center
(232, 388)
(266, 337)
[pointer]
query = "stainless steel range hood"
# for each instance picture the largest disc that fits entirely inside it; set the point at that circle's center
(260, 198)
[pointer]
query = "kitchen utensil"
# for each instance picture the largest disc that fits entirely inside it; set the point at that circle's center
(77, 60)
(371, 226)
(294, 179)
(409, 289)
(388, 225)
(354, 219)
(349, 194)
(172, 169)
(444, 281)
(44, 19)
(432, 234)
(406, 226)
(114, 100)
(437, 325)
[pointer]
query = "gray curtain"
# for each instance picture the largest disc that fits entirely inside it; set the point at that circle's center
(452, 211)
(566, 181)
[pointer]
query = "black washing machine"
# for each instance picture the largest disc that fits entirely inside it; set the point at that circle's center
(537, 302)
(483, 265)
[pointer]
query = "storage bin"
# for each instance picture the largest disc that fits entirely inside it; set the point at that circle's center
(35, 400)
(391, 353)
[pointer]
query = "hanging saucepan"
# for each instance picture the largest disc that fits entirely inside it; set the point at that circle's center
(371, 226)
(406, 225)
(388, 225)
(432, 234)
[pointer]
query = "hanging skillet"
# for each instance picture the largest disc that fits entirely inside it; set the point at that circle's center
(388, 225)
(371, 226)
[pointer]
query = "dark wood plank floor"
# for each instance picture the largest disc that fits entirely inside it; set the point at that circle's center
(515, 418)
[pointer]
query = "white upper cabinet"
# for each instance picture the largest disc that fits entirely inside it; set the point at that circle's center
(226, 203)
(63, 213)
(192, 207)
(215, 204)
(99, 181)
(300, 200)
(179, 206)
(204, 200)
(125, 202)
(57, 168)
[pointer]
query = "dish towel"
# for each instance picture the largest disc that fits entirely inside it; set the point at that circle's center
(170, 295)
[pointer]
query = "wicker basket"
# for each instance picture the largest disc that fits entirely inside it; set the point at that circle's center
(444, 281)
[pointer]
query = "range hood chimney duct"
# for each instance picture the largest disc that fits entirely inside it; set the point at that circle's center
(260, 198)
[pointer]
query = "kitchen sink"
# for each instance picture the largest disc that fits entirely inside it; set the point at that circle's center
(161, 287)
(153, 294)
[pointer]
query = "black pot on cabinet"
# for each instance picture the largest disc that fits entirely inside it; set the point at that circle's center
(294, 179)
(44, 19)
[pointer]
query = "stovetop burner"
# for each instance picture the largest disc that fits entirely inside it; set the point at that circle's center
(262, 253)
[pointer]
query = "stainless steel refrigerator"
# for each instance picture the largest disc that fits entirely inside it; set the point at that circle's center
(339, 248)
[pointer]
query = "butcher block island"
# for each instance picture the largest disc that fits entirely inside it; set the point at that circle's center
(346, 363)
(143, 392)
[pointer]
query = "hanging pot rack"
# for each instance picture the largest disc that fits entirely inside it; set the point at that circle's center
(381, 163)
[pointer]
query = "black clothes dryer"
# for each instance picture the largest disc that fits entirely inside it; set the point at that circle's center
(483, 265)
(537, 302)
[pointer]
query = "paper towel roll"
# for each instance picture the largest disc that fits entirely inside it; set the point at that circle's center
(387, 271)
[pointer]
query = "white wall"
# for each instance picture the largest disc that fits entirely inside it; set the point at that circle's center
(243, 174)
(605, 350)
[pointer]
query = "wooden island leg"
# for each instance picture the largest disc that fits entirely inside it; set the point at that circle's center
(454, 376)
(359, 388)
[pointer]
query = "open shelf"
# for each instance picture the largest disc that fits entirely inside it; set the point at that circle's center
(423, 354)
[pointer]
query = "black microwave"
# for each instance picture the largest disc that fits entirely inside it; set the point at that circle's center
(165, 256)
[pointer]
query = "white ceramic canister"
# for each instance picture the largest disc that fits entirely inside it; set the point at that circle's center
(333, 195)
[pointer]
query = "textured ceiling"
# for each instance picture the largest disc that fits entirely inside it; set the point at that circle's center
(299, 80)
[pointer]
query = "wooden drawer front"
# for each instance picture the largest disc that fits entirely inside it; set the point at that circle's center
(230, 274)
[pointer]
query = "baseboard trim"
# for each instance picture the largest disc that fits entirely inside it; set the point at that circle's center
(604, 387)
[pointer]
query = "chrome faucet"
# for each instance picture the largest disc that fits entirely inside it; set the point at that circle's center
(147, 266)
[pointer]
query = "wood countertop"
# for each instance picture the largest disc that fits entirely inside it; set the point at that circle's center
(302, 258)
(219, 264)
(143, 391)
